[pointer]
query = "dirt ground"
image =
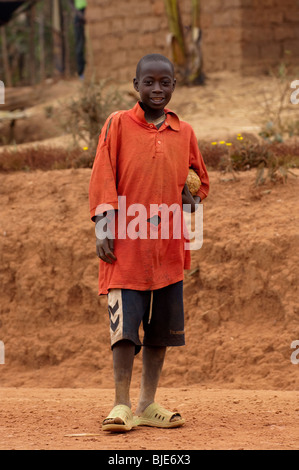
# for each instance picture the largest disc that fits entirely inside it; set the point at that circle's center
(41, 418)
(234, 381)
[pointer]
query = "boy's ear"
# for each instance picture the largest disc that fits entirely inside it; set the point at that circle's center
(135, 83)
(174, 84)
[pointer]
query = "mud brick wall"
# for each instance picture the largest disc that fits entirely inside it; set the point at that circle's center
(221, 22)
(121, 32)
(270, 34)
(245, 36)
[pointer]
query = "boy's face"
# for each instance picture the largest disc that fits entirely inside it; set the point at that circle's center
(155, 84)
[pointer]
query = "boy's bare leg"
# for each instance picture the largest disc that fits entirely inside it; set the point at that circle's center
(123, 359)
(153, 360)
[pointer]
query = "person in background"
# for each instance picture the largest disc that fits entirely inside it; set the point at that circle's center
(79, 8)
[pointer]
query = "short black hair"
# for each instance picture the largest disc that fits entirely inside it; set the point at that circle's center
(153, 58)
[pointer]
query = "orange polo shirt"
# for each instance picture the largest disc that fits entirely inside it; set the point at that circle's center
(138, 170)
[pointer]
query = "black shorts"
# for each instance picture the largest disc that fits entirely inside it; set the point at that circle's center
(161, 311)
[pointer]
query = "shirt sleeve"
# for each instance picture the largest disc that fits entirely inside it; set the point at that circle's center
(197, 163)
(103, 186)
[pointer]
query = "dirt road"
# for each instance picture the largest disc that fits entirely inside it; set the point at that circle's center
(215, 419)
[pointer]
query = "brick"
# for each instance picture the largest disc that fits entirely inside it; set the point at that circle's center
(158, 8)
(160, 41)
(292, 15)
(285, 32)
(149, 25)
(270, 17)
(211, 6)
(217, 36)
(134, 8)
(251, 51)
(129, 40)
(257, 4)
(146, 40)
(133, 56)
(117, 25)
(93, 13)
(227, 18)
(119, 58)
(206, 20)
(247, 4)
(257, 34)
(232, 35)
(270, 51)
(286, 4)
(125, 74)
(260, 17)
(108, 11)
(112, 44)
(228, 4)
(132, 24)
(103, 30)
(291, 46)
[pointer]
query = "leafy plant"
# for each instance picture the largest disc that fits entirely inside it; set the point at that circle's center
(272, 161)
(84, 116)
(275, 107)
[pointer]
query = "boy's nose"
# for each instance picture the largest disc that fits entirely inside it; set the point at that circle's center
(157, 88)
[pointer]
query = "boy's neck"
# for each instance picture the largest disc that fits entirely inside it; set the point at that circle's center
(150, 114)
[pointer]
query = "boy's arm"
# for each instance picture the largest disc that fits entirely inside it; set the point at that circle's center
(187, 198)
(102, 186)
(103, 197)
(197, 163)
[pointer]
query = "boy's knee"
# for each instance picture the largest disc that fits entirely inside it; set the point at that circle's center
(123, 344)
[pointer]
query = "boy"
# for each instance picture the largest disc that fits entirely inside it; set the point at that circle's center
(143, 158)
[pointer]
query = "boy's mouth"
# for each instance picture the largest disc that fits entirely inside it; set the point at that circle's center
(158, 100)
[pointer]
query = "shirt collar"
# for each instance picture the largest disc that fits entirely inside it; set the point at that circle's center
(171, 120)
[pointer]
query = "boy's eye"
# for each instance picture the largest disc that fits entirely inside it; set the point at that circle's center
(148, 82)
(166, 83)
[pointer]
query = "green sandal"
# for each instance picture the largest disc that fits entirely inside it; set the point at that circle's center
(123, 419)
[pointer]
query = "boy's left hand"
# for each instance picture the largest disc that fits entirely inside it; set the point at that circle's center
(187, 198)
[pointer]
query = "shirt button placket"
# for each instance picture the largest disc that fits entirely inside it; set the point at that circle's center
(151, 126)
(158, 143)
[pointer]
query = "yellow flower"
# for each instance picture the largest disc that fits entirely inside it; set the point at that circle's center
(85, 148)
(228, 143)
(214, 143)
(240, 137)
(222, 142)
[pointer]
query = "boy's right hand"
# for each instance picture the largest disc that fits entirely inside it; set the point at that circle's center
(104, 240)
(105, 250)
